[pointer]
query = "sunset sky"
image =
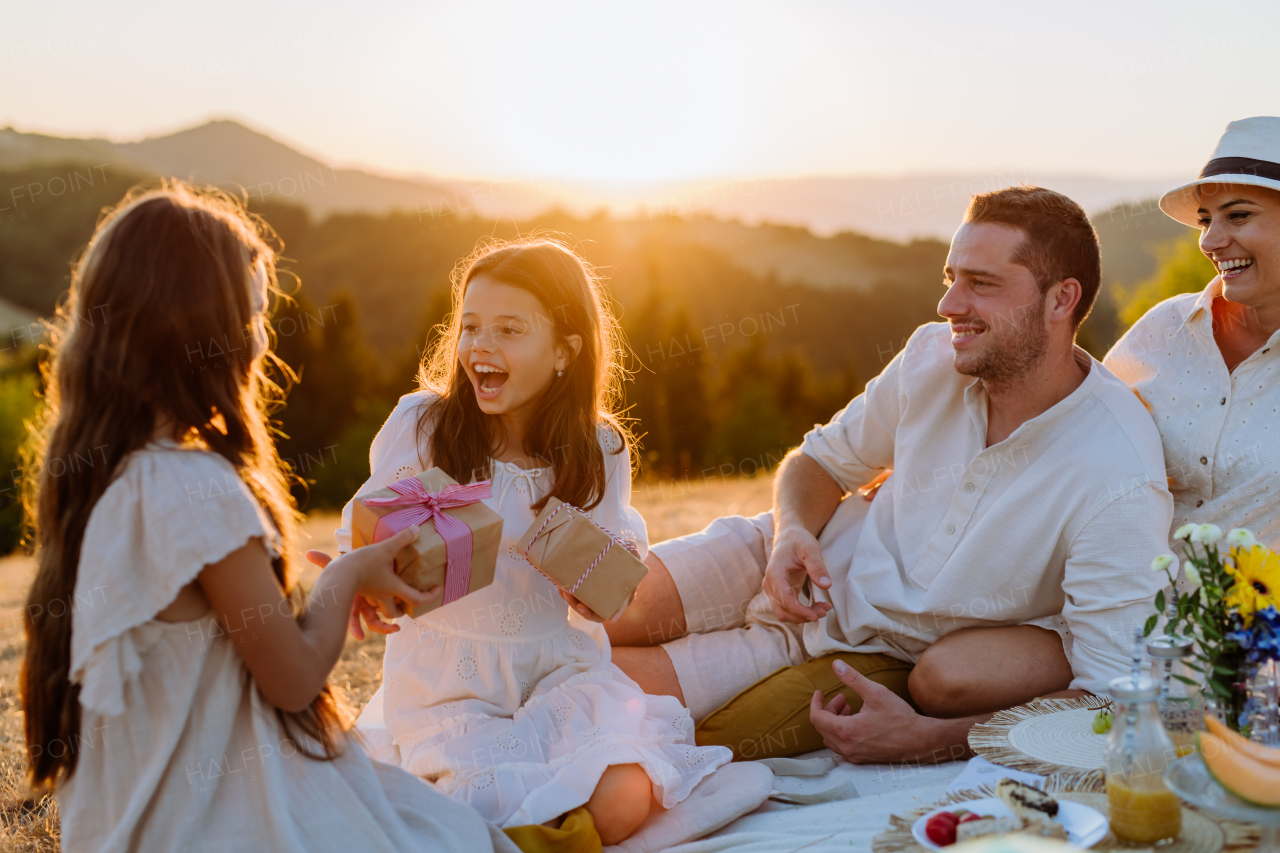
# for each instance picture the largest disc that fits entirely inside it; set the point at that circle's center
(660, 90)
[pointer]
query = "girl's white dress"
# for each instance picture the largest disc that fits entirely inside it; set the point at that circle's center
(506, 699)
(177, 748)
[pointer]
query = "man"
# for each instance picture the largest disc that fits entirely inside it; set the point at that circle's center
(1004, 558)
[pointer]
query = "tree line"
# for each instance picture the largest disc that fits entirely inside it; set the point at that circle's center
(729, 366)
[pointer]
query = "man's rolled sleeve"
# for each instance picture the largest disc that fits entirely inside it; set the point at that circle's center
(858, 442)
(1109, 584)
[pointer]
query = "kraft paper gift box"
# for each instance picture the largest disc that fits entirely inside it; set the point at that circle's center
(581, 557)
(424, 563)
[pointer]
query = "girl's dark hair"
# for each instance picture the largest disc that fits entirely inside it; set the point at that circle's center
(460, 438)
(165, 276)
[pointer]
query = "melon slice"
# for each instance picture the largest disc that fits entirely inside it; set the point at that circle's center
(1247, 778)
(1266, 754)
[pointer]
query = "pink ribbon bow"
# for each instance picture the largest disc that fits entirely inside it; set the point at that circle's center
(420, 506)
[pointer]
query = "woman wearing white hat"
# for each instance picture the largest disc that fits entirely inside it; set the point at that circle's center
(1206, 364)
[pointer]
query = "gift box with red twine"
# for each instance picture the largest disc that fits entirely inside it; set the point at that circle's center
(457, 545)
(582, 558)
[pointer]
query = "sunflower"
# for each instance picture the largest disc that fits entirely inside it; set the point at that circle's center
(1257, 580)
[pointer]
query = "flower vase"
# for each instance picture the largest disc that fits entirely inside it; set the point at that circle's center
(1228, 709)
(1261, 713)
(1213, 707)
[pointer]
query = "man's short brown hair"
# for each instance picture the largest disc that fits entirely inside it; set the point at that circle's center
(1059, 241)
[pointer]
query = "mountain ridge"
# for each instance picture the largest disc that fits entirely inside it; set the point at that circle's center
(228, 153)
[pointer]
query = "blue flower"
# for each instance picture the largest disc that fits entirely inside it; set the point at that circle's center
(1262, 639)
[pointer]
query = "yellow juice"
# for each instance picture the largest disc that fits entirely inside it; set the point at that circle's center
(1144, 810)
(1183, 743)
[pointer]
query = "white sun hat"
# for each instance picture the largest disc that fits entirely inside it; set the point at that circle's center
(1247, 154)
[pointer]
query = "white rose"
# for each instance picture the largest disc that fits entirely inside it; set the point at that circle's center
(1162, 563)
(1184, 532)
(1192, 574)
(1241, 538)
(1206, 534)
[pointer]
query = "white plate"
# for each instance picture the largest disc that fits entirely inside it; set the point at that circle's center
(1085, 826)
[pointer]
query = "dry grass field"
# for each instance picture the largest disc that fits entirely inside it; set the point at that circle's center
(670, 508)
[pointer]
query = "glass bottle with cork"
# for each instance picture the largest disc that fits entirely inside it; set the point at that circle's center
(1143, 809)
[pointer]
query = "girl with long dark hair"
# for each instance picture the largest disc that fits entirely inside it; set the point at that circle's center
(175, 682)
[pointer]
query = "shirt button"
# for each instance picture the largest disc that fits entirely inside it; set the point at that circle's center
(951, 528)
(1204, 460)
(1199, 504)
(968, 487)
(1224, 401)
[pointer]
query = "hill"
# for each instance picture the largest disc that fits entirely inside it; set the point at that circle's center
(895, 208)
(1130, 236)
(790, 253)
(232, 156)
(741, 336)
(21, 150)
(12, 319)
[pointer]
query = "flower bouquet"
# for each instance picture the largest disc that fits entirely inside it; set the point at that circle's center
(1228, 606)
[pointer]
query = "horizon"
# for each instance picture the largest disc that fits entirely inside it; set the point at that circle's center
(667, 94)
(900, 208)
(312, 151)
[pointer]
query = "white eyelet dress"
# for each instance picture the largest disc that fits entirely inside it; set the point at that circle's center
(505, 699)
(177, 748)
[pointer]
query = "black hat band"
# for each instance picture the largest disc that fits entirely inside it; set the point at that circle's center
(1241, 166)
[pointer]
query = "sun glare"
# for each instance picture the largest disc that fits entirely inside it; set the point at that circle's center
(653, 100)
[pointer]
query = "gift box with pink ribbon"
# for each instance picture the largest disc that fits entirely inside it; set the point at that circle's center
(582, 558)
(457, 546)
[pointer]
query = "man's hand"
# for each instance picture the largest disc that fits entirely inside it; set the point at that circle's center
(886, 728)
(795, 557)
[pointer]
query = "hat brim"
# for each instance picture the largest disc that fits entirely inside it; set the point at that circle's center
(1183, 203)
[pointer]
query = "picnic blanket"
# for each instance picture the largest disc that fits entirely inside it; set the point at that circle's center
(835, 805)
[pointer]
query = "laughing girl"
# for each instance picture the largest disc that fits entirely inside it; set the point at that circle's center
(506, 699)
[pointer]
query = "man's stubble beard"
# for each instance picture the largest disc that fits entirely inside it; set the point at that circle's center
(1017, 355)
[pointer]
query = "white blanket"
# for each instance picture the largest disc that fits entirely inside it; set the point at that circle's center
(869, 794)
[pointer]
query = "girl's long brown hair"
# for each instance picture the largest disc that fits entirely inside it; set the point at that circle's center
(157, 329)
(461, 438)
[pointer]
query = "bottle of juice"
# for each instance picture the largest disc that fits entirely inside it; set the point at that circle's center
(1143, 810)
(1181, 700)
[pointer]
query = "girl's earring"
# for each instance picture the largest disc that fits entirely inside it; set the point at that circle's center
(559, 373)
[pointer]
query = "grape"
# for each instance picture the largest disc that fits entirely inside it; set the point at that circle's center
(1102, 722)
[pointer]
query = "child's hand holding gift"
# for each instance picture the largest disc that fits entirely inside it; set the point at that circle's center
(587, 613)
(457, 548)
(596, 572)
(382, 592)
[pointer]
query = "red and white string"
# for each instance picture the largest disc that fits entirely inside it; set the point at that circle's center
(612, 540)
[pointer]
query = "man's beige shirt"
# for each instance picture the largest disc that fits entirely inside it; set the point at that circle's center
(1221, 430)
(1061, 519)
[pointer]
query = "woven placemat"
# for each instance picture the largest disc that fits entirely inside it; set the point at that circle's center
(1201, 832)
(1066, 739)
(1047, 736)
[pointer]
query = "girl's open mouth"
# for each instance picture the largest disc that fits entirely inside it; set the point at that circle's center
(489, 381)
